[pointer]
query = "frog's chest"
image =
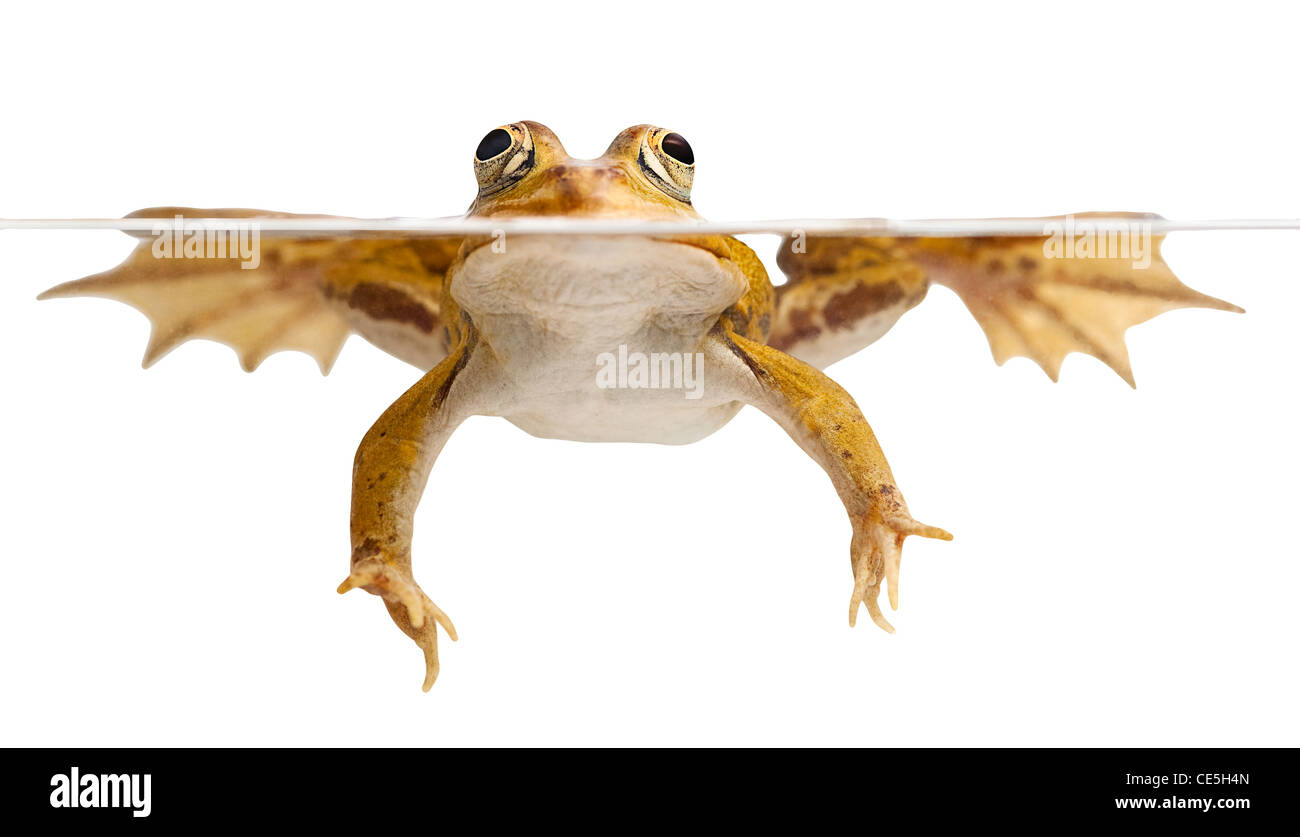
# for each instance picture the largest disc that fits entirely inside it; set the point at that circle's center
(570, 318)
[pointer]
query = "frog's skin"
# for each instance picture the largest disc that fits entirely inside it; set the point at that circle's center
(516, 331)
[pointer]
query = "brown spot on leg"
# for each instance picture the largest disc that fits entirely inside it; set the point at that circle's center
(387, 303)
(800, 326)
(367, 549)
(847, 308)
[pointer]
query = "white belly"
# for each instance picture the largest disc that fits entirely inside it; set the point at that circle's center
(584, 327)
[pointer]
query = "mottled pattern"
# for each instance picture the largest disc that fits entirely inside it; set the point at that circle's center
(1030, 301)
(826, 422)
(760, 346)
(1043, 308)
(306, 294)
(841, 295)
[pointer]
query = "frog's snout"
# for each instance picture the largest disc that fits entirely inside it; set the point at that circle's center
(591, 176)
(583, 186)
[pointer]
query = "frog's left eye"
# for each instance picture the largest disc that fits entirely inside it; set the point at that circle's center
(502, 158)
(676, 146)
(667, 160)
(496, 141)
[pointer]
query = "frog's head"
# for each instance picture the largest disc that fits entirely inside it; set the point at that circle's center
(522, 169)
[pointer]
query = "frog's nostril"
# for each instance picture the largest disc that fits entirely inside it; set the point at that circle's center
(496, 141)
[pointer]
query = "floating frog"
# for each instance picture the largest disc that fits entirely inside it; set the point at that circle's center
(586, 337)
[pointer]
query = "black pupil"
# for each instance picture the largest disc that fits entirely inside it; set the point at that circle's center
(676, 146)
(494, 143)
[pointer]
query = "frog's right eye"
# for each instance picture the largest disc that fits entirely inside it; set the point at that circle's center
(503, 157)
(497, 140)
(668, 162)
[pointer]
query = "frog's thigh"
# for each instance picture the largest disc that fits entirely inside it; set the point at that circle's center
(841, 296)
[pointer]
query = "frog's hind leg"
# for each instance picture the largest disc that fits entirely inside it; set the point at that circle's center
(1040, 297)
(261, 294)
(1035, 297)
(841, 295)
(389, 474)
(827, 424)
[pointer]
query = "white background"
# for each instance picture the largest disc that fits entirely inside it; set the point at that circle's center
(1124, 569)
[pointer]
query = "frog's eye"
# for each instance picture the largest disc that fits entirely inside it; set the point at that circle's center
(676, 146)
(497, 140)
(503, 157)
(669, 163)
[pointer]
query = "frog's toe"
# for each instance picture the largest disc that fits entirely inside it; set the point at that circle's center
(908, 526)
(877, 553)
(411, 610)
(426, 636)
(390, 583)
(868, 571)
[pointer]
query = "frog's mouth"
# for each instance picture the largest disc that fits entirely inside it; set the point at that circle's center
(582, 191)
(622, 274)
(499, 243)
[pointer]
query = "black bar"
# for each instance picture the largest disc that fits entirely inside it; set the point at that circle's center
(548, 788)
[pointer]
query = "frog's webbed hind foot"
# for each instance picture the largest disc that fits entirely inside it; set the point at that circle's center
(1038, 300)
(412, 611)
(1076, 288)
(877, 554)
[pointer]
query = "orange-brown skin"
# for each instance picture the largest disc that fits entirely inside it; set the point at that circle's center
(764, 349)
(1029, 301)
(391, 467)
(393, 460)
(835, 285)
(826, 422)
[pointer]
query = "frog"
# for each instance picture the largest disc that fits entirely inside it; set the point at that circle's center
(531, 327)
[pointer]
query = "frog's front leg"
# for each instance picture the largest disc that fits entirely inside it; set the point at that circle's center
(824, 420)
(389, 474)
